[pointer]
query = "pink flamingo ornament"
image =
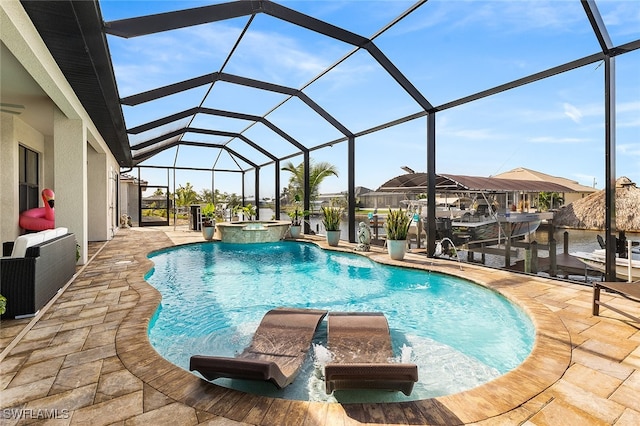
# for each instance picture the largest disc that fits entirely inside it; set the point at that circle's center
(40, 218)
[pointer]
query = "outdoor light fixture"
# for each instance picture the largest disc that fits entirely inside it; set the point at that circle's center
(407, 169)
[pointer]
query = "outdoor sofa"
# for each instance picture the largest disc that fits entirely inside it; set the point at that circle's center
(34, 268)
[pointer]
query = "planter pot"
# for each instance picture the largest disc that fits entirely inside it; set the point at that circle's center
(207, 232)
(396, 249)
(295, 231)
(333, 238)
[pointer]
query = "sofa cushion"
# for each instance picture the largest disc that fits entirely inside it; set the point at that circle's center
(49, 234)
(61, 230)
(25, 241)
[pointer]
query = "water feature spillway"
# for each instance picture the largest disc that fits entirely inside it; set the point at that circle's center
(246, 232)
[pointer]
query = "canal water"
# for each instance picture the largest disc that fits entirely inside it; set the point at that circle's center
(579, 240)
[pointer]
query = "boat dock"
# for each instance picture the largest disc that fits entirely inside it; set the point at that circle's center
(555, 264)
(565, 265)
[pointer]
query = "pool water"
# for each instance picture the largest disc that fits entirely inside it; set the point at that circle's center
(254, 226)
(214, 295)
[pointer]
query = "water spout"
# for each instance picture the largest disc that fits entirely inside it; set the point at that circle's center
(438, 251)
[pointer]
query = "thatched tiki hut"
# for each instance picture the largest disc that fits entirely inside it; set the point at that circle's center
(588, 212)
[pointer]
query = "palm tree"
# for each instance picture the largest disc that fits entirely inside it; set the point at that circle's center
(317, 173)
(186, 195)
(549, 200)
(206, 196)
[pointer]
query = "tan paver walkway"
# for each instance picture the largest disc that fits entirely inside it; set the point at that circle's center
(87, 360)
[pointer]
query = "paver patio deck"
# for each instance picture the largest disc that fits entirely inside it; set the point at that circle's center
(86, 358)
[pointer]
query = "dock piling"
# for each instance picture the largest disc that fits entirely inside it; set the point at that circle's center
(507, 246)
(534, 257)
(553, 264)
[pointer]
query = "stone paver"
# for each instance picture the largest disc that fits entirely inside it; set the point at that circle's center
(87, 359)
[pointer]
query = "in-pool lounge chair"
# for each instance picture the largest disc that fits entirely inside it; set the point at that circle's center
(276, 353)
(361, 346)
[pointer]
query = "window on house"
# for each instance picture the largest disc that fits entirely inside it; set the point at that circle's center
(28, 180)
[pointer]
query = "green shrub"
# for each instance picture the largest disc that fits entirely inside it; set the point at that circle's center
(397, 224)
(208, 212)
(331, 217)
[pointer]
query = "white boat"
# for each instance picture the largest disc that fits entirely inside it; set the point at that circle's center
(495, 227)
(451, 207)
(463, 226)
(596, 260)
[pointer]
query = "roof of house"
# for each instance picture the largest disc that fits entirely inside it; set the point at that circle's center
(521, 173)
(73, 34)
(417, 182)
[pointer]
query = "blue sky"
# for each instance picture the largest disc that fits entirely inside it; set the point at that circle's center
(447, 50)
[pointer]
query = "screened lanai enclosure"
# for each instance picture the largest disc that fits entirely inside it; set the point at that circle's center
(223, 95)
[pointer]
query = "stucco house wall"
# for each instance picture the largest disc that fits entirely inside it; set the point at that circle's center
(75, 161)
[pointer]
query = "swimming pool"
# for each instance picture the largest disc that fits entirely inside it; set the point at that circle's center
(214, 295)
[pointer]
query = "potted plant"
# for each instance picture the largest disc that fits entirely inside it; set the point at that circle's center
(208, 227)
(297, 217)
(3, 304)
(331, 217)
(235, 212)
(397, 228)
(249, 211)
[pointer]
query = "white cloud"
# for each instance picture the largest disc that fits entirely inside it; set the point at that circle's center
(555, 140)
(265, 50)
(557, 113)
(621, 17)
(572, 112)
(628, 115)
(505, 16)
(446, 130)
(471, 134)
(147, 62)
(630, 149)
(586, 180)
(628, 107)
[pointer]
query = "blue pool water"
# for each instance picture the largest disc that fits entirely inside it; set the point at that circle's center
(215, 294)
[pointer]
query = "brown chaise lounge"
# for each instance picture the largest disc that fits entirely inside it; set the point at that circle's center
(629, 291)
(361, 345)
(276, 353)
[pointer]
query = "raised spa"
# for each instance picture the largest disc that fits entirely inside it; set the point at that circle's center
(264, 231)
(214, 295)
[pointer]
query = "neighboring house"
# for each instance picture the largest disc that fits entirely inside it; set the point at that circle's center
(328, 198)
(381, 200)
(361, 194)
(518, 187)
(576, 192)
(130, 197)
(49, 137)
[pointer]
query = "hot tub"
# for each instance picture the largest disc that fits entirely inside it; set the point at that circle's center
(253, 231)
